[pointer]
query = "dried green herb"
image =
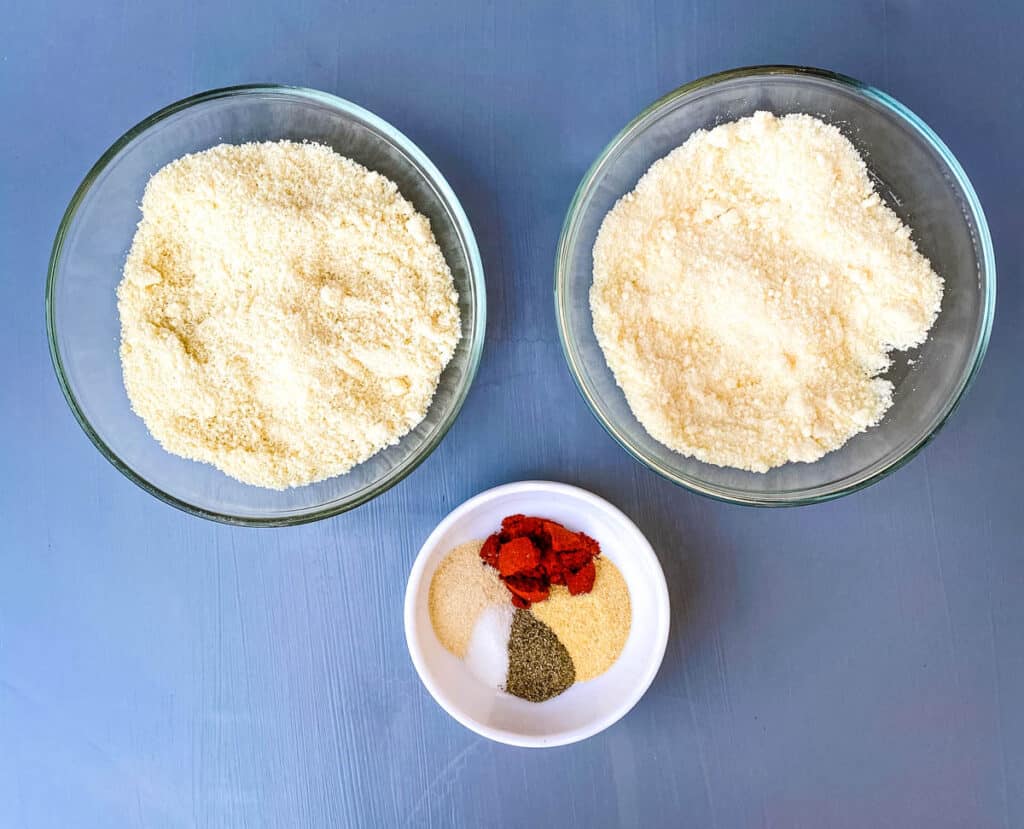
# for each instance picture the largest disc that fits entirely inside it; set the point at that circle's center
(539, 666)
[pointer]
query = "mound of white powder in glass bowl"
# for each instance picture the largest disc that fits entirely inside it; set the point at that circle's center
(748, 292)
(285, 312)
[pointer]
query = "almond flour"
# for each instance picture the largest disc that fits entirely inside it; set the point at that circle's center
(748, 292)
(285, 312)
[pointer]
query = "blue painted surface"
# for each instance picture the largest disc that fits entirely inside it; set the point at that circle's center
(848, 665)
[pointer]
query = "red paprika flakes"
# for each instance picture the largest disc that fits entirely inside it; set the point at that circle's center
(582, 580)
(526, 590)
(530, 554)
(517, 556)
(489, 552)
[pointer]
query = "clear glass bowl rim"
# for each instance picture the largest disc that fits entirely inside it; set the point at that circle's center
(437, 180)
(636, 126)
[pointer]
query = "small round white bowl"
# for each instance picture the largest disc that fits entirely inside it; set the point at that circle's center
(587, 707)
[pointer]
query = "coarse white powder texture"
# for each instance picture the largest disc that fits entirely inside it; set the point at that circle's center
(285, 312)
(487, 653)
(748, 292)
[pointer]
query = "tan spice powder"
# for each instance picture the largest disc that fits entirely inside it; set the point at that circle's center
(461, 587)
(593, 626)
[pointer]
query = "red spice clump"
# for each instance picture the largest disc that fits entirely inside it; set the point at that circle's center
(530, 554)
(517, 556)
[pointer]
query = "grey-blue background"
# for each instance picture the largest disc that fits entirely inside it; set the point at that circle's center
(855, 664)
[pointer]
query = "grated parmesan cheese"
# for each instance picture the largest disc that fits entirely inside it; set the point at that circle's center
(748, 292)
(285, 312)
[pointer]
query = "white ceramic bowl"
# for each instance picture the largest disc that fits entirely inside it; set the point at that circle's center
(587, 707)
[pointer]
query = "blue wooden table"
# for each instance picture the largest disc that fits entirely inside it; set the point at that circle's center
(855, 664)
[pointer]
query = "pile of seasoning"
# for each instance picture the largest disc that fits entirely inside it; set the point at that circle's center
(531, 554)
(531, 610)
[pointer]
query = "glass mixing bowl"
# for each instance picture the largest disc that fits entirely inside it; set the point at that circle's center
(88, 256)
(918, 177)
